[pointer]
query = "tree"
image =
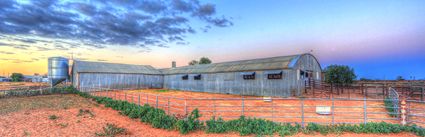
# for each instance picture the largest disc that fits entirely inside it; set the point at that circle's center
(203, 60)
(399, 78)
(16, 77)
(339, 75)
(365, 79)
(193, 62)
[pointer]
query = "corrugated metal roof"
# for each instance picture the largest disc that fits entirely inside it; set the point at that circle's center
(102, 67)
(273, 63)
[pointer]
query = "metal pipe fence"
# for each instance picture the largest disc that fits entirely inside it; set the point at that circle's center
(286, 110)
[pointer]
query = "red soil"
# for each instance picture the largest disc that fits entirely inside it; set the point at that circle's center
(37, 123)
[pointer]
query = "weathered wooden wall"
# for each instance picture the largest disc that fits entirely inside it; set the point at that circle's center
(118, 81)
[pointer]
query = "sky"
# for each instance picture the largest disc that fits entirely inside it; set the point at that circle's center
(379, 39)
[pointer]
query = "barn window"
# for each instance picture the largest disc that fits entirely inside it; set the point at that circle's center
(185, 77)
(248, 75)
(197, 77)
(275, 75)
(302, 74)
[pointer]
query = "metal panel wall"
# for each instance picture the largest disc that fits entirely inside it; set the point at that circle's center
(119, 81)
(233, 83)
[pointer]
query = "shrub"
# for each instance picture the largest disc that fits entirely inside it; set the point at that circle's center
(190, 123)
(216, 126)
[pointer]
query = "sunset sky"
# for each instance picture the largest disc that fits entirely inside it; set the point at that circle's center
(379, 39)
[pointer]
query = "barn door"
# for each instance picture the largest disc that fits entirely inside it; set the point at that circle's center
(309, 80)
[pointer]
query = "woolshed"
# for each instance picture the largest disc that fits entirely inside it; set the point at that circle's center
(275, 76)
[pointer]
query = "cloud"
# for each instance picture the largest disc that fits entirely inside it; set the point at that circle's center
(43, 48)
(116, 22)
(21, 46)
(6, 52)
(16, 60)
(60, 47)
(3, 44)
(26, 40)
(102, 60)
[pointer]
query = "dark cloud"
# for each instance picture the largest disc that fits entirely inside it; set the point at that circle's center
(21, 46)
(3, 44)
(117, 22)
(25, 40)
(6, 52)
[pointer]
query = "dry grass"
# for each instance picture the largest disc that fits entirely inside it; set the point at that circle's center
(15, 85)
(8, 105)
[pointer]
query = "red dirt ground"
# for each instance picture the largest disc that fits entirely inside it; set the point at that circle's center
(35, 121)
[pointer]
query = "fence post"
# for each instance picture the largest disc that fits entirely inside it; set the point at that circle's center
(243, 105)
(302, 112)
(365, 110)
(272, 110)
(333, 111)
(115, 95)
(214, 111)
(139, 99)
(185, 106)
(147, 99)
(125, 96)
(422, 94)
(156, 101)
(168, 106)
(403, 111)
(132, 99)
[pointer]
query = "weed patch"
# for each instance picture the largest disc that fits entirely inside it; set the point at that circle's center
(111, 130)
(53, 117)
(83, 112)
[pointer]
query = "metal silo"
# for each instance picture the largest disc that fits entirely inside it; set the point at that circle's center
(58, 70)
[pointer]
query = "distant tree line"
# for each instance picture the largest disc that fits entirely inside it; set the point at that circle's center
(203, 60)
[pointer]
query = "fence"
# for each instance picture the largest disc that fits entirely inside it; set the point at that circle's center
(292, 110)
(31, 91)
(416, 112)
(392, 102)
